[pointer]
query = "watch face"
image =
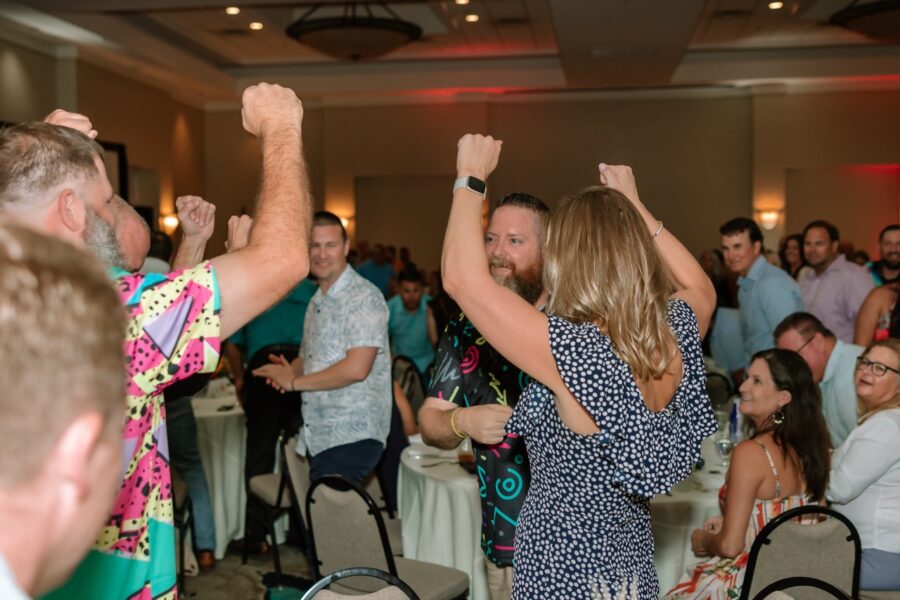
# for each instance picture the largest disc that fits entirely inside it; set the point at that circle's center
(476, 185)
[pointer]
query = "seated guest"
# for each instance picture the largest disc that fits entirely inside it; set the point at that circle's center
(835, 288)
(408, 324)
(878, 318)
(887, 270)
(782, 466)
(865, 471)
(60, 435)
(377, 269)
(791, 255)
(833, 365)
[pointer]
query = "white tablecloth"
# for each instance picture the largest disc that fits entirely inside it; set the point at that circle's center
(220, 440)
(440, 510)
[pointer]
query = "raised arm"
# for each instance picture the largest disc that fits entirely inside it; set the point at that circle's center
(691, 282)
(198, 221)
(511, 325)
(277, 257)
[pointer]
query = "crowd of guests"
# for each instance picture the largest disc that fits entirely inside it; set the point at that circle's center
(576, 366)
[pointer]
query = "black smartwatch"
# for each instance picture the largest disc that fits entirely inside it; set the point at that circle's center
(472, 184)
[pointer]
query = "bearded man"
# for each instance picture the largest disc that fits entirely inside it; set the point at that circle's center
(474, 389)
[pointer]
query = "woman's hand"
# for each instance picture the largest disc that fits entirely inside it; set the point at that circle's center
(713, 524)
(279, 373)
(621, 178)
(698, 542)
(477, 155)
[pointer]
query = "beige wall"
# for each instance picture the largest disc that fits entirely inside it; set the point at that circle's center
(27, 83)
(821, 132)
(159, 133)
(699, 160)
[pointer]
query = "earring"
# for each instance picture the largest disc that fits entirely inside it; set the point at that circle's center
(777, 417)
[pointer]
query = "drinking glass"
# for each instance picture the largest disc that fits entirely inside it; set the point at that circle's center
(724, 443)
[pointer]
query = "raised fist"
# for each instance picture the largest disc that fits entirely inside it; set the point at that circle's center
(268, 107)
(71, 120)
(621, 178)
(238, 232)
(477, 155)
(197, 216)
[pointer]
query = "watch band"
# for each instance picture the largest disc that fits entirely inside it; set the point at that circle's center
(473, 184)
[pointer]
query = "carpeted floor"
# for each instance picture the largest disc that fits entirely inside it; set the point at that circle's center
(231, 579)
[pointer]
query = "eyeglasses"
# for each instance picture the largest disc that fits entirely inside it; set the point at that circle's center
(805, 344)
(878, 368)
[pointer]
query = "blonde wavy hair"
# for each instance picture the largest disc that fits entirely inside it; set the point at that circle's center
(892, 344)
(601, 266)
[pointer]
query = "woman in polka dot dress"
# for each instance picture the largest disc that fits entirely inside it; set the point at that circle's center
(621, 407)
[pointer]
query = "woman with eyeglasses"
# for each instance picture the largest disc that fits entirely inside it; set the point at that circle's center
(865, 470)
(783, 465)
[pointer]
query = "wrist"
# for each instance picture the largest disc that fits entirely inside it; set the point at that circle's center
(456, 423)
(477, 173)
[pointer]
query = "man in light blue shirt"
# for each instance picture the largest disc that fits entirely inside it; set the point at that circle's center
(833, 365)
(766, 293)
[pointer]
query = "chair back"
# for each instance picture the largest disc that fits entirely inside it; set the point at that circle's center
(297, 469)
(817, 555)
(346, 528)
(396, 589)
(720, 390)
(404, 372)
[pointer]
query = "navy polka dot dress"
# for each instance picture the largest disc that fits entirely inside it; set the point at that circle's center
(584, 531)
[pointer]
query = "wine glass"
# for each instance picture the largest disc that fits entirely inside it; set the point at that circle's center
(724, 443)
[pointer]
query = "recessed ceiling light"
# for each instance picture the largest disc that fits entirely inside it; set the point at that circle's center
(473, 18)
(232, 10)
(256, 25)
(776, 5)
(462, 2)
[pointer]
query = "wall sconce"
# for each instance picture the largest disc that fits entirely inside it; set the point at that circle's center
(169, 223)
(768, 219)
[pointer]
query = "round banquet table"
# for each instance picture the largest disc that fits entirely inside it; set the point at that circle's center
(440, 512)
(220, 440)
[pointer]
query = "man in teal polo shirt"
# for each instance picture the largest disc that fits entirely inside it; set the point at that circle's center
(277, 331)
(408, 325)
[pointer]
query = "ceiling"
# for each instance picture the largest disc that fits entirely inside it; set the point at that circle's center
(517, 47)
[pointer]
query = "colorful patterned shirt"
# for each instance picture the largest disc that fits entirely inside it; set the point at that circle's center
(469, 372)
(172, 333)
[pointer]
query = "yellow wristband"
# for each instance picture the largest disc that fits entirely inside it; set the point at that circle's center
(456, 431)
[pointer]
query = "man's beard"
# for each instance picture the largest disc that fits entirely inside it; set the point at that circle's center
(528, 283)
(100, 238)
(890, 264)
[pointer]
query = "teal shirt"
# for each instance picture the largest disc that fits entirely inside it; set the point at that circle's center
(281, 324)
(409, 332)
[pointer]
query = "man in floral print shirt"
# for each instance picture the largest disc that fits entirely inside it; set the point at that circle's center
(474, 389)
(53, 179)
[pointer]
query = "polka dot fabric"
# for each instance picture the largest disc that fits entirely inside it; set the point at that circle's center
(584, 531)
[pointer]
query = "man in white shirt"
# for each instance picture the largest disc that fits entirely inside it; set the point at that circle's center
(344, 365)
(833, 365)
(835, 288)
(62, 329)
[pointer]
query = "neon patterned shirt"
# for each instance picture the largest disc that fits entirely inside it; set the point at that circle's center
(172, 333)
(469, 372)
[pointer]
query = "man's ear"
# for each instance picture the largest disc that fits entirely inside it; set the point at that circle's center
(75, 452)
(757, 247)
(71, 211)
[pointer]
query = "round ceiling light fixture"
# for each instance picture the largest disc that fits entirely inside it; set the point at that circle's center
(357, 34)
